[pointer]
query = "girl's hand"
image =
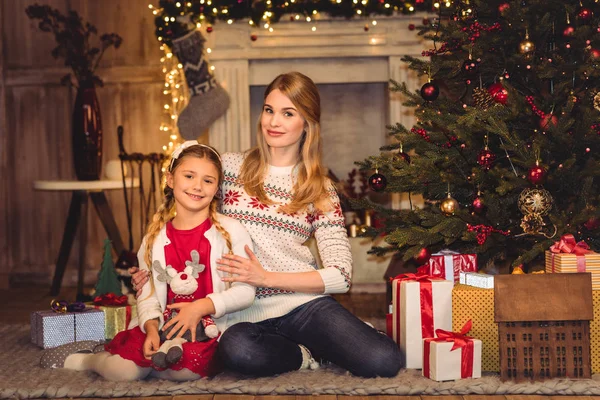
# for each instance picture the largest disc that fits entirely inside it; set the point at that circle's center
(152, 342)
(188, 317)
(247, 270)
(138, 279)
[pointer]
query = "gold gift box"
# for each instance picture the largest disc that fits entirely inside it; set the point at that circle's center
(567, 262)
(476, 304)
(471, 303)
(116, 318)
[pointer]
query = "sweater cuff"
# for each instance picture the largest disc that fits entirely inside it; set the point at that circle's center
(219, 304)
(333, 280)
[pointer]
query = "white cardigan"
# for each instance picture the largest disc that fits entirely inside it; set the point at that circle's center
(152, 304)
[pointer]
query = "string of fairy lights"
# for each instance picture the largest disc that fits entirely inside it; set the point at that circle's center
(174, 18)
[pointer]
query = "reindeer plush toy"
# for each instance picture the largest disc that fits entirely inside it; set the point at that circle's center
(182, 284)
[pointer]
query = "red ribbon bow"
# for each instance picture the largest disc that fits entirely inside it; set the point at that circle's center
(460, 338)
(110, 299)
(568, 244)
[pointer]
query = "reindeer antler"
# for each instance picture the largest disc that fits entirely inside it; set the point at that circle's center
(195, 263)
(162, 272)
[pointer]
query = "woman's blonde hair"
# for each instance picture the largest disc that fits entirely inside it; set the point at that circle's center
(166, 211)
(310, 185)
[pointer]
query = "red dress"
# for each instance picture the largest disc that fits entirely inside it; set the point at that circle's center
(198, 357)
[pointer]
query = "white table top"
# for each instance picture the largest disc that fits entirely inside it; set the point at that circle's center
(103, 184)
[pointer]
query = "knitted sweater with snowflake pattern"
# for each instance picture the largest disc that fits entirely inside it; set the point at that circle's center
(279, 239)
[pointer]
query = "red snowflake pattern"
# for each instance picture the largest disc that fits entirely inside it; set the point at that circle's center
(256, 203)
(338, 211)
(232, 197)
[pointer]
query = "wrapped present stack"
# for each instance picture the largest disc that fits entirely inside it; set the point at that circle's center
(421, 304)
(448, 264)
(568, 255)
(452, 355)
(66, 323)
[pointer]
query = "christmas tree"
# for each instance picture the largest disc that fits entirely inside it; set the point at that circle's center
(505, 148)
(108, 279)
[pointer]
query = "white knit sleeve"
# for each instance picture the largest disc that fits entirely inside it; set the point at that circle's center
(334, 247)
(148, 306)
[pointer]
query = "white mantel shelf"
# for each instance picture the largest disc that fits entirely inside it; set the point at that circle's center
(338, 51)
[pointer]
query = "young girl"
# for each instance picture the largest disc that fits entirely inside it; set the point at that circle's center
(185, 238)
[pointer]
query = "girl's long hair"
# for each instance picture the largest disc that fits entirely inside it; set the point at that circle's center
(310, 185)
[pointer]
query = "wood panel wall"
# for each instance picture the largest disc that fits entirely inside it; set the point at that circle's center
(35, 139)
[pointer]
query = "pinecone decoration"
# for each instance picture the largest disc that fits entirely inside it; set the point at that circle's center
(482, 99)
(597, 101)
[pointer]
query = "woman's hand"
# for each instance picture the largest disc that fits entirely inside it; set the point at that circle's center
(138, 279)
(188, 317)
(247, 270)
(152, 342)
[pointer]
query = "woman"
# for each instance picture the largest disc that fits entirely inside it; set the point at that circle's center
(280, 193)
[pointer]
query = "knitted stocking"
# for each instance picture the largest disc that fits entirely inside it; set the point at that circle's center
(208, 100)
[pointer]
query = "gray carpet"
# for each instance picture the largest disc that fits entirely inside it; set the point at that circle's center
(21, 377)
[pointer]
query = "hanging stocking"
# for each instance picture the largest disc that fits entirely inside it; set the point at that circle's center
(208, 100)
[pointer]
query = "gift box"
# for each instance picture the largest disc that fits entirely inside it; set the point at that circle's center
(595, 333)
(116, 318)
(51, 328)
(117, 312)
(483, 281)
(476, 304)
(448, 265)
(452, 356)
(421, 304)
(567, 255)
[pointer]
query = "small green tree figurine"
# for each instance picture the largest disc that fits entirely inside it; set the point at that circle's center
(108, 280)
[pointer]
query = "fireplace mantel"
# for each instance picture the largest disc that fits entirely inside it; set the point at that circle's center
(337, 51)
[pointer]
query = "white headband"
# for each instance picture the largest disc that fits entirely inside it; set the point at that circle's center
(188, 143)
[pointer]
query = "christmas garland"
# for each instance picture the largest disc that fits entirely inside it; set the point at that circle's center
(174, 18)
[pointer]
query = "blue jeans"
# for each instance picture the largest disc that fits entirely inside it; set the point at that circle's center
(325, 327)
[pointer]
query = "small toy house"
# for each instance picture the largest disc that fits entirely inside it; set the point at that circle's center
(543, 325)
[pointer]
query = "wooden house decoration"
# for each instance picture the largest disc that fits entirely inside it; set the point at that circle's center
(543, 325)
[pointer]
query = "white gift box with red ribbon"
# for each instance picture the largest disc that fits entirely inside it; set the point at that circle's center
(452, 355)
(421, 304)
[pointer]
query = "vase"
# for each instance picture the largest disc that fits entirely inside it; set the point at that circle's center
(86, 132)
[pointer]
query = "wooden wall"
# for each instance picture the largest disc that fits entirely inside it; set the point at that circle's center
(35, 113)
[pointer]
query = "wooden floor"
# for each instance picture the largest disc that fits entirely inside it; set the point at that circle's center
(18, 303)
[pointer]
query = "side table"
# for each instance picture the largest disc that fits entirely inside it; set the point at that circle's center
(78, 216)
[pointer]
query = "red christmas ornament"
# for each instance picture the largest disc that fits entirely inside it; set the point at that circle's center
(568, 31)
(470, 67)
(536, 175)
(425, 21)
(502, 8)
(209, 29)
(485, 158)
(411, 27)
(423, 256)
(478, 205)
(592, 223)
(253, 37)
(595, 54)
(548, 121)
(366, 28)
(498, 93)
(585, 14)
(405, 157)
(377, 182)
(430, 91)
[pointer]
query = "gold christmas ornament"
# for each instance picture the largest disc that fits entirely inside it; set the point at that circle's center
(449, 205)
(535, 201)
(526, 46)
(597, 101)
(532, 224)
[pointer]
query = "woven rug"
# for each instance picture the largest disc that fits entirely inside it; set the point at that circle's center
(21, 377)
